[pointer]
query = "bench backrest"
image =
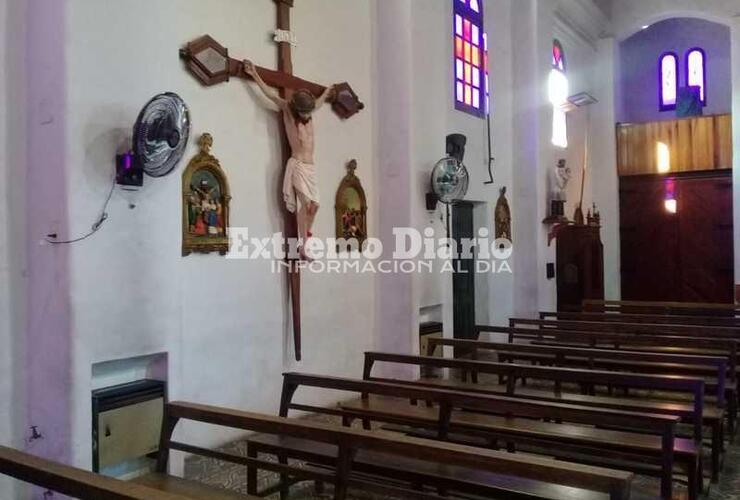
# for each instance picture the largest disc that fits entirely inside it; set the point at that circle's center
(615, 483)
(660, 342)
(72, 481)
(700, 308)
(661, 362)
(513, 372)
(637, 328)
(622, 317)
(448, 399)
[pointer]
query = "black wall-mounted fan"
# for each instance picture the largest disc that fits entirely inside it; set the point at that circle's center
(161, 135)
(450, 178)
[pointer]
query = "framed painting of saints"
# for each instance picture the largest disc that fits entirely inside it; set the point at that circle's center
(351, 209)
(205, 200)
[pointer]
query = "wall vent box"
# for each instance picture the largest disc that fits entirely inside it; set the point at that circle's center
(126, 422)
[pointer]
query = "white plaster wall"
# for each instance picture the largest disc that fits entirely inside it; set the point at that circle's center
(12, 232)
(628, 16)
(434, 117)
(6, 345)
(603, 164)
(223, 323)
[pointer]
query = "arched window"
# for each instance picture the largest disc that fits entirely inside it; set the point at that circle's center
(696, 69)
(558, 90)
(469, 57)
(668, 81)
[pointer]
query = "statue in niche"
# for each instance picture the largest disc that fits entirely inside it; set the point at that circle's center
(300, 192)
(351, 208)
(558, 178)
(502, 216)
(206, 199)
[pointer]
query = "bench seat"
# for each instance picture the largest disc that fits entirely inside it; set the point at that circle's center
(526, 428)
(422, 473)
(187, 488)
(710, 414)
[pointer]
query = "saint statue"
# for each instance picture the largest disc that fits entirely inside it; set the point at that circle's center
(558, 182)
(300, 191)
(502, 217)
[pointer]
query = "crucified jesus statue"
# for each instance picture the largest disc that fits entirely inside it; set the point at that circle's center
(300, 192)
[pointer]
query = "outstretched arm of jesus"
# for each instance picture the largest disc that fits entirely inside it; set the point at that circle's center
(250, 70)
(328, 95)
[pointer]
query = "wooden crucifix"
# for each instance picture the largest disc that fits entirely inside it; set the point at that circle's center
(210, 63)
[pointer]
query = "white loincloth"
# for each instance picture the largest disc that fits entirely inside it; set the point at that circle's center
(299, 177)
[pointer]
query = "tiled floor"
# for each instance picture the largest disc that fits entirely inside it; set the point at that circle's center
(234, 478)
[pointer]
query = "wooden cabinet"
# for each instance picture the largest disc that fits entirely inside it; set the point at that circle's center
(580, 266)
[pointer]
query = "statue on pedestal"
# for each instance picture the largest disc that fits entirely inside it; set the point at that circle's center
(558, 178)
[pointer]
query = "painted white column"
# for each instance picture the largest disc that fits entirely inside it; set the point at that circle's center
(525, 155)
(395, 303)
(603, 162)
(735, 63)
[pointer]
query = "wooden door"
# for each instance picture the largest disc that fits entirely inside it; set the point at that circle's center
(463, 280)
(686, 256)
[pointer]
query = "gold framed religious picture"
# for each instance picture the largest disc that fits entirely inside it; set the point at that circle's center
(205, 203)
(351, 208)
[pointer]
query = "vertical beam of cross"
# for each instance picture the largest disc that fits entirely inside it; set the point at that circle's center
(285, 65)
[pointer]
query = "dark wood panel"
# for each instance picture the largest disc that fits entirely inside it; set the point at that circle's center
(687, 256)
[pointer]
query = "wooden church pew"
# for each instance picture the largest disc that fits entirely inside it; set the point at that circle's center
(348, 449)
(650, 343)
(75, 482)
(622, 317)
(631, 340)
(713, 369)
(691, 412)
(691, 308)
(388, 403)
(712, 332)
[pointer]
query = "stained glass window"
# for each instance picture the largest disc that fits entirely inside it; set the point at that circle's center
(668, 81)
(696, 70)
(470, 57)
(558, 90)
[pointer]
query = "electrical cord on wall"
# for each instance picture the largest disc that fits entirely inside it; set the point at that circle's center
(51, 238)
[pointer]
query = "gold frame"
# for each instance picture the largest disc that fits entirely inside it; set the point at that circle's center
(350, 181)
(205, 161)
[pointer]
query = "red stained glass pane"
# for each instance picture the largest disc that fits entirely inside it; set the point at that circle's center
(468, 74)
(466, 29)
(459, 47)
(467, 52)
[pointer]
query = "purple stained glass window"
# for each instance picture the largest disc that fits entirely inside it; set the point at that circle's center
(470, 57)
(696, 69)
(558, 56)
(668, 81)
